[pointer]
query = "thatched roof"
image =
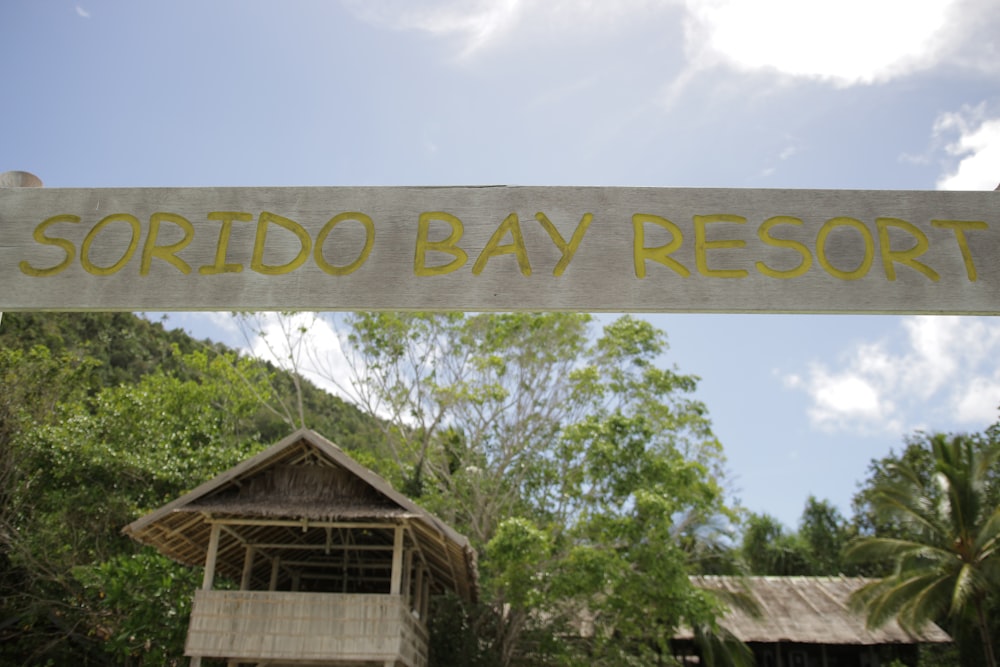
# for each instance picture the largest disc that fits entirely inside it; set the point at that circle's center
(304, 478)
(807, 610)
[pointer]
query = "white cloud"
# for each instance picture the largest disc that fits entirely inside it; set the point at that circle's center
(976, 148)
(787, 153)
(945, 373)
(82, 13)
(481, 24)
(227, 326)
(475, 23)
(978, 401)
(845, 395)
(846, 42)
(302, 340)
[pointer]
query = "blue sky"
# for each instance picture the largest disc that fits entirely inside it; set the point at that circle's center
(868, 94)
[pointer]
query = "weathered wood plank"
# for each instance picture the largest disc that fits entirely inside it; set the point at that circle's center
(500, 248)
(287, 627)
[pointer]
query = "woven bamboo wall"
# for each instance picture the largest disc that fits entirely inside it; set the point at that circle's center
(305, 626)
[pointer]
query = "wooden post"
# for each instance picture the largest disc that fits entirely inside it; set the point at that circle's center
(397, 562)
(247, 569)
(407, 585)
(213, 553)
(18, 179)
(209, 577)
(418, 590)
(275, 565)
(426, 601)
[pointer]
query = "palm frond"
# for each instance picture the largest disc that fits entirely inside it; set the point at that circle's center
(719, 647)
(893, 549)
(949, 562)
(988, 537)
(913, 598)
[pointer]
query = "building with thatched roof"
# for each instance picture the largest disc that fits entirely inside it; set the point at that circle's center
(333, 566)
(808, 622)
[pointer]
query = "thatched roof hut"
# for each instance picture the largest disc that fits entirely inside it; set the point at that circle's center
(808, 620)
(303, 518)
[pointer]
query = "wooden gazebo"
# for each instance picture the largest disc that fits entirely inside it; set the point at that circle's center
(324, 563)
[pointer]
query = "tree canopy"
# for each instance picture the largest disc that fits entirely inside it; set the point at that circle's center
(575, 460)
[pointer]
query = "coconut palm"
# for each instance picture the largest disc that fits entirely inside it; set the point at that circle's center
(948, 562)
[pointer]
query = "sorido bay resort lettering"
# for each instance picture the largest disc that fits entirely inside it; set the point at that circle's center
(439, 245)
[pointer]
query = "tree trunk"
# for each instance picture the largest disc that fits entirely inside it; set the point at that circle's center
(984, 630)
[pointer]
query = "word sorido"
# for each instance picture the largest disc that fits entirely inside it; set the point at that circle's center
(779, 247)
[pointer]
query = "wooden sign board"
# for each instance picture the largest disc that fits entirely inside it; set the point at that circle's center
(500, 249)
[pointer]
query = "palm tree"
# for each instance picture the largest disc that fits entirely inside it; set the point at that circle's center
(947, 564)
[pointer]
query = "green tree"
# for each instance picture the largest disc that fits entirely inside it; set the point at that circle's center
(469, 406)
(825, 532)
(918, 456)
(768, 549)
(945, 557)
(815, 549)
(98, 463)
(575, 462)
(33, 384)
(137, 606)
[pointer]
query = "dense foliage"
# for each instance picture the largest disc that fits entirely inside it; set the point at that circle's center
(104, 417)
(580, 466)
(79, 472)
(122, 348)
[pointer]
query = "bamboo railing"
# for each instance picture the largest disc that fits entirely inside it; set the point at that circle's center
(263, 625)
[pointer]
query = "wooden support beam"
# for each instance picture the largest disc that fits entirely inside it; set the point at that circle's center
(328, 564)
(343, 569)
(247, 569)
(275, 570)
(320, 547)
(407, 579)
(443, 542)
(416, 545)
(213, 551)
(418, 589)
(316, 576)
(385, 525)
(175, 533)
(397, 562)
(425, 598)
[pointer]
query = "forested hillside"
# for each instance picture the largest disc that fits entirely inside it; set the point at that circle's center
(104, 416)
(126, 347)
(582, 468)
